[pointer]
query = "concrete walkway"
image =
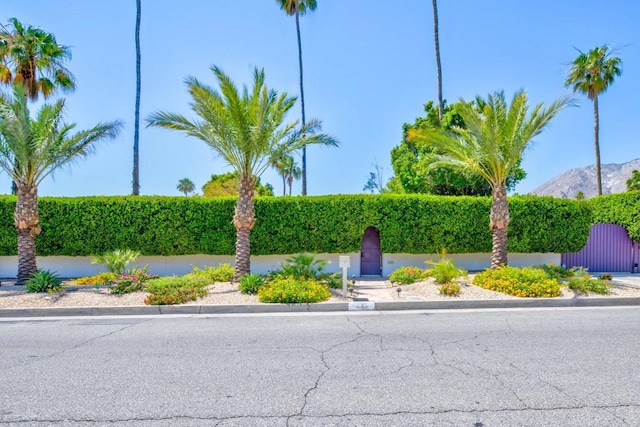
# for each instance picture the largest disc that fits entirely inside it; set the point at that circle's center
(373, 289)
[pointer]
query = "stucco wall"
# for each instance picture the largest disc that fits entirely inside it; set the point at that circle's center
(81, 266)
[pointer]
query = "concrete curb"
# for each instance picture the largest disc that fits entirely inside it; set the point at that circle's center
(316, 308)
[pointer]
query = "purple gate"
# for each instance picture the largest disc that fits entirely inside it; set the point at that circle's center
(370, 254)
(608, 249)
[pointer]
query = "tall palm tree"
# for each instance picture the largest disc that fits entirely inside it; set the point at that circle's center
(292, 171)
(247, 129)
(298, 8)
(32, 57)
(491, 146)
(186, 186)
(436, 39)
(136, 125)
(30, 150)
(592, 73)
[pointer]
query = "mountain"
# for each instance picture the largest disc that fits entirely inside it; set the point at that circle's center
(569, 183)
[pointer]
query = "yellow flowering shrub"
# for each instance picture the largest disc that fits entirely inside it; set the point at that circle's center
(99, 279)
(290, 290)
(519, 282)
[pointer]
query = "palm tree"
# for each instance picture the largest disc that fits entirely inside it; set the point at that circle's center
(30, 150)
(186, 186)
(592, 73)
(32, 57)
(136, 125)
(436, 40)
(279, 164)
(298, 8)
(292, 171)
(247, 129)
(491, 146)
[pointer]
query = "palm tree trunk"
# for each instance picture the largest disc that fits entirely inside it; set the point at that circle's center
(27, 221)
(136, 124)
(438, 66)
(596, 138)
(284, 185)
(290, 181)
(304, 148)
(244, 220)
(499, 222)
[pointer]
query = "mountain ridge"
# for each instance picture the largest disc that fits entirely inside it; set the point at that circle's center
(573, 181)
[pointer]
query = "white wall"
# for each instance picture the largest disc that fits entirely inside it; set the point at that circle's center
(81, 266)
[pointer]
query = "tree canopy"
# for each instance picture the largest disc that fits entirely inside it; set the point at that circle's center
(227, 184)
(411, 163)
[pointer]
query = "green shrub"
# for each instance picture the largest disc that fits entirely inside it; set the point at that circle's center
(555, 271)
(419, 224)
(584, 282)
(222, 273)
(43, 281)
(131, 282)
(334, 281)
(450, 289)
(176, 289)
(304, 266)
(116, 261)
(520, 282)
(289, 290)
(589, 284)
(98, 279)
(407, 275)
(445, 270)
(251, 283)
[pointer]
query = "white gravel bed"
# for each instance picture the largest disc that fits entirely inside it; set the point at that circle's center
(428, 291)
(88, 296)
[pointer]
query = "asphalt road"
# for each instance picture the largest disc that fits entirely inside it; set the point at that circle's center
(464, 368)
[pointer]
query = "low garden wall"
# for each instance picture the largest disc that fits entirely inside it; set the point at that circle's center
(68, 267)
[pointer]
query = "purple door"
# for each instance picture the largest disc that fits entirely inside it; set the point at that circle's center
(370, 255)
(608, 248)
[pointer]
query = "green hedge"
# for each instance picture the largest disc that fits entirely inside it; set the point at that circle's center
(285, 225)
(622, 209)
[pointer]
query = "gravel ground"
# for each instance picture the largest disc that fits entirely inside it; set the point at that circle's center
(88, 296)
(227, 293)
(428, 290)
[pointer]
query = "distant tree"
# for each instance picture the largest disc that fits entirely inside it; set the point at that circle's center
(580, 195)
(298, 8)
(491, 145)
(248, 130)
(411, 163)
(227, 184)
(136, 123)
(375, 184)
(292, 171)
(633, 183)
(30, 150)
(592, 73)
(186, 186)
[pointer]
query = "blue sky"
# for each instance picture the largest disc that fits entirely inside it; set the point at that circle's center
(369, 68)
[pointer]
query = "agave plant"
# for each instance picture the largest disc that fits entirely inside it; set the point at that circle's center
(43, 281)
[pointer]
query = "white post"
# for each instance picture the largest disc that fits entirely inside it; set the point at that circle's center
(345, 262)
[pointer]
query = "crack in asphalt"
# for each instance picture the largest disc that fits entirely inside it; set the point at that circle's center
(95, 339)
(302, 416)
(472, 411)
